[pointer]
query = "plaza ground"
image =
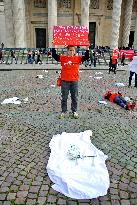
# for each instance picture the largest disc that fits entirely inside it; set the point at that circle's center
(26, 130)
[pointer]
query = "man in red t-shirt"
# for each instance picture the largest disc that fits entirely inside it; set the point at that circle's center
(70, 77)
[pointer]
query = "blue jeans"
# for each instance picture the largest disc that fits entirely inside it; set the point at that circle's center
(120, 101)
(71, 86)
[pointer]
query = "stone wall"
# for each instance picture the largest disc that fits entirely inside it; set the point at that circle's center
(2, 24)
(37, 17)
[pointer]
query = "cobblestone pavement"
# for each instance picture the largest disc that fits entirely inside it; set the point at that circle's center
(27, 129)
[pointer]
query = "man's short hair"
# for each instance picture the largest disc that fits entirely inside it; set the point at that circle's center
(70, 46)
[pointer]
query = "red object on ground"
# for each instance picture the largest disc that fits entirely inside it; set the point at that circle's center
(128, 54)
(70, 35)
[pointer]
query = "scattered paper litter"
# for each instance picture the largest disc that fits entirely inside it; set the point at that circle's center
(81, 178)
(102, 102)
(46, 71)
(97, 77)
(40, 76)
(98, 73)
(14, 100)
(53, 86)
(26, 100)
(119, 84)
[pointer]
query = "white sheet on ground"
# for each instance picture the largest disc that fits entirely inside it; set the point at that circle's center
(14, 100)
(102, 102)
(84, 178)
(119, 84)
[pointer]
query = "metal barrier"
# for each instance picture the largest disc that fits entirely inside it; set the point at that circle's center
(21, 55)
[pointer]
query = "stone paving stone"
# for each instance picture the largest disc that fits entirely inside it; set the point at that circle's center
(41, 200)
(133, 195)
(61, 202)
(4, 189)
(34, 189)
(31, 201)
(35, 183)
(133, 201)
(20, 201)
(43, 193)
(22, 194)
(51, 199)
(124, 195)
(11, 196)
(105, 203)
(123, 186)
(6, 203)
(2, 196)
(115, 202)
(14, 188)
(113, 191)
(125, 202)
(32, 195)
(115, 197)
(24, 187)
(44, 187)
(132, 174)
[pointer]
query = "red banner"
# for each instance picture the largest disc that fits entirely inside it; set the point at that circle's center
(128, 54)
(70, 35)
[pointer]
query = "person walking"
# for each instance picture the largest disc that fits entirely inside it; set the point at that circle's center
(132, 66)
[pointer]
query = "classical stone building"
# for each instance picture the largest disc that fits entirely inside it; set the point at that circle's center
(29, 23)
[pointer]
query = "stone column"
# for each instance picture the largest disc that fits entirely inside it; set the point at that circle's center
(52, 19)
(19, 21)
(116, 13)
(135, 36)
(127, 22)
(9, 24)
(85, 13)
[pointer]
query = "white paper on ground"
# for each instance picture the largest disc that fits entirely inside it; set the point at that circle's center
(14, 100)
(53, 86)
(102, 102)
(40, 76)
(119, 84)
(98, 77)
(98, 73)
(82, 178)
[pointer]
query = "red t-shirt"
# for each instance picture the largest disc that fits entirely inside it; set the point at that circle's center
(114, 61)
(70, 67)
(112, 97)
